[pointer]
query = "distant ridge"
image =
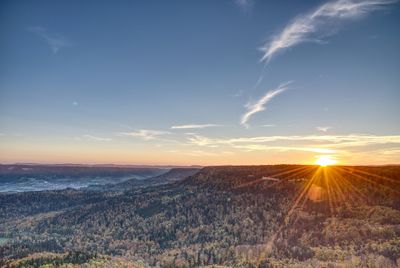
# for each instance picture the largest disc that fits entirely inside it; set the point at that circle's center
(237, 176)
(101, 165)
(173, 175)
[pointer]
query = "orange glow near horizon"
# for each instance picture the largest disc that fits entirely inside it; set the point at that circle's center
(121, 152)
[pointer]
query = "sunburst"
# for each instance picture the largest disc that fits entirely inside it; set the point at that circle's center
(325, 160)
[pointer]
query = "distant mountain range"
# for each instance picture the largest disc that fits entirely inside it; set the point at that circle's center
(102, 165)
(21, 178)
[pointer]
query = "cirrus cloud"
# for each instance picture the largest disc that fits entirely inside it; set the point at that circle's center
(319, 23)
(258, 106)
(95, 138)
(191, 126)
(145, 134)
(319, 141)
(55, 41)
(323, 129)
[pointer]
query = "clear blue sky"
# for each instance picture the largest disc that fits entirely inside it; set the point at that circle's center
(168, 82)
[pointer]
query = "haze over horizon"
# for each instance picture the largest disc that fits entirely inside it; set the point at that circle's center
(200, 83)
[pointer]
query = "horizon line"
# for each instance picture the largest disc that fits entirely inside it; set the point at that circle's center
(193, 165)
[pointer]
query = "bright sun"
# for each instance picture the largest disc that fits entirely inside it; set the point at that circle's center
(325, 160)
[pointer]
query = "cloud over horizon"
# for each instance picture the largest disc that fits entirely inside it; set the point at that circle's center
(338, 145)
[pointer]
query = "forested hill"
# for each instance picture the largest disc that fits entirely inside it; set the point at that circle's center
(241, 176)
(173, 175)
(234, 216)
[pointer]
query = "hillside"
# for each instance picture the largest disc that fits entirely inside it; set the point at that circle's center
(173, 175)
(249, 216)
(72, 260)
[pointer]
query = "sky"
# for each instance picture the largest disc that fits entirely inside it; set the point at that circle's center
(200, 82)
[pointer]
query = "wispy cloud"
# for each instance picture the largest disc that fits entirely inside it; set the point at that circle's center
(317, 141)
(395, 151)
(192, 126)
(145, 134)
(260, 105)
(319, 23)
(284, 148)
(238, 94)
(355, 148)
(245, 5)
(323, 129)
(261, 144)
(55, 41)
(95, 138)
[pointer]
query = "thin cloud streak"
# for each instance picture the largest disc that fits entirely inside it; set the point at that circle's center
(320, 141)
(262, 147)
(192, 126)
(344, 147)
(245, 5)
(253, 108)
(319, 23)
(95, 138)
(145, 134)
(323, 129)
(55, 41)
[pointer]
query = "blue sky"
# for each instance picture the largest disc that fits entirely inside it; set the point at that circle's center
(171, 82)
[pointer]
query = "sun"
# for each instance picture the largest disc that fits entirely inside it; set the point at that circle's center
(325, 160)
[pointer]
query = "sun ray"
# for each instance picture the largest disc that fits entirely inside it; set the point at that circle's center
(339, 182)
(298, 169)
(353, 191)
(373, 182)
(340, 193)
(298, 199)
(357, 170)
(329, 191)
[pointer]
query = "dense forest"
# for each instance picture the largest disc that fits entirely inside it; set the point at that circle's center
(233, 216)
